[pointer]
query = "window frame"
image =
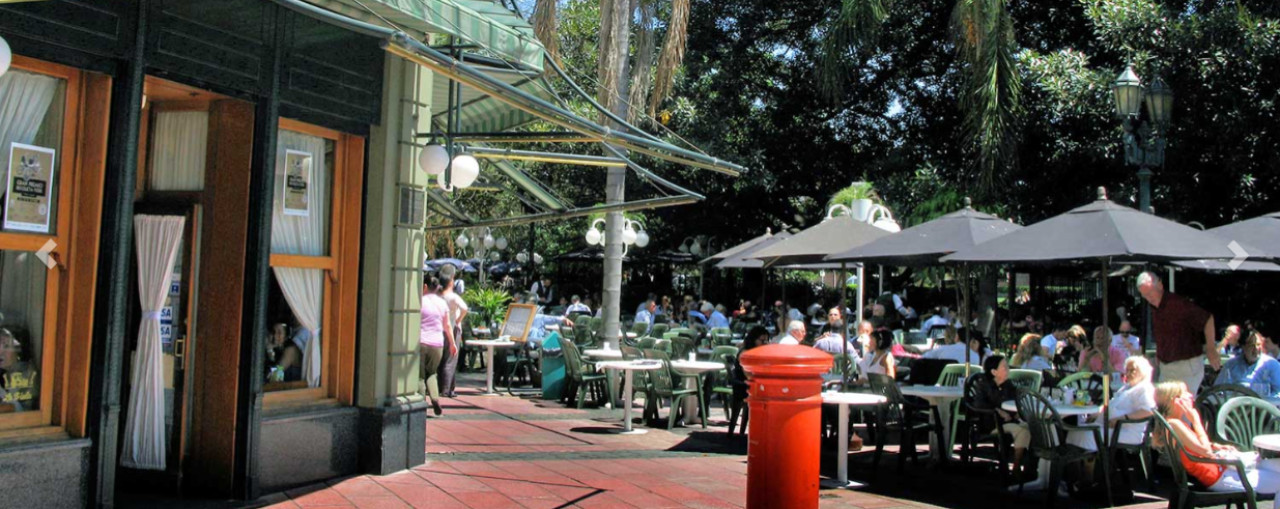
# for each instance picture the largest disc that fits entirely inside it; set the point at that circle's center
(50, 376)
(330, 264)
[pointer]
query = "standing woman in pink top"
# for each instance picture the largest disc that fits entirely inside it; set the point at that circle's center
(435, 336)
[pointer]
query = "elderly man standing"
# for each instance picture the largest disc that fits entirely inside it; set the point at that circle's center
(1184, 333)
(794, 334)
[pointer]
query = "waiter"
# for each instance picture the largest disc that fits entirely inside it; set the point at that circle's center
(1184, 333)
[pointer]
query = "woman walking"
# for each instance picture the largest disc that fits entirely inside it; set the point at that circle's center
(436, 335)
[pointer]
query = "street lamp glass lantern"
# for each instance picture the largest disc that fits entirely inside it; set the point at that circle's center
(1160, 102)
(1127, 91)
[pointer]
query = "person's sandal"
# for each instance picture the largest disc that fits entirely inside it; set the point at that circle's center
(435, 408)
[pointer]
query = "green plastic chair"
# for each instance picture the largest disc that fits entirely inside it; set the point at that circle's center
(1208, 402)
(659, 329)
(1187, 494)
(1026, 379)
(582, 377)
(680, 347)
(646, 342)
(1240, 419)
(667, 383)
(1083, 381)
(842, 365)
(583, 337)
(951, 374)
(720, 351)
(640, 328)
(721, 336)
(1047, 443)
(597, 326)
(663, 345)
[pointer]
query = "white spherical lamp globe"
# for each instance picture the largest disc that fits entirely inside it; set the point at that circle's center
(465, 170)
(501, 243)
(6, 56)
(695, 249)
(521, 257)
(628, 236)
(494, 256)
(489, 241)
(642, 238)
(537, 259)
(433, 159)
(593, 236)
(462, 240)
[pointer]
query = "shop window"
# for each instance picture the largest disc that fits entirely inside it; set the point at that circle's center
(22, 309)
(178, 151)
(32, 108)
(301, 260)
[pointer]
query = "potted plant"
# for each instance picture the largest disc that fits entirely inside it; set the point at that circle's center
(488, 304)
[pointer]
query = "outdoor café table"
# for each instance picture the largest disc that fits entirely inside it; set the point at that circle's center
(600, 353)
(845, 400)
(1270, 442)
(705, 352)
(481, 331)
(940, 397)
(627, 367)
(1064, 410)
(489, 345)
(685, 367)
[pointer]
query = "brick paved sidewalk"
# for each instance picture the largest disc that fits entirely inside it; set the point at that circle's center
(522, 452)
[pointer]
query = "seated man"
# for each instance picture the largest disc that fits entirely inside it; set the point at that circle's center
(1253, 369)
(577, 307)
(715, 316)
(793, 336)
(645, 314)
(957, 351)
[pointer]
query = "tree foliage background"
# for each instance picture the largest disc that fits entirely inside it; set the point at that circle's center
(750, 91)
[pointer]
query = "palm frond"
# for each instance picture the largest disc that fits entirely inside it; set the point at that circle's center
(672, 54)
(991, 95)
(857, 26)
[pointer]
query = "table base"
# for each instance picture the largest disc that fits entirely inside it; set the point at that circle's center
(634, 431)
(490, 394)
(847, 485)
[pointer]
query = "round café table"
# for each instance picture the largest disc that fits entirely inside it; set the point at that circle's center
(627, 367)
(1270, 442)
(489, 345)
(1064, 410)
(600, 353)
(940, 397)
(685, 367)
(844, 400)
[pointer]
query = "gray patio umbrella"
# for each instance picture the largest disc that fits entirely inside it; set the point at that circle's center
(727, 253)
(744, 260)
(925, 243)
(1262, 232)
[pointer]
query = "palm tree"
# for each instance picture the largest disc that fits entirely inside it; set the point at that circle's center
(991, 93)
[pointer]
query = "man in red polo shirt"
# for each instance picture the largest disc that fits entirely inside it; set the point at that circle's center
(1184, 333)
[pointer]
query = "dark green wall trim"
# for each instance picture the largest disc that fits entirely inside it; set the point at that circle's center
(87, 35)
(114, 271)
(257, 269)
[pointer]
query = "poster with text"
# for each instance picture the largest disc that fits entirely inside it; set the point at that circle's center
(297, 178)
(29, 188)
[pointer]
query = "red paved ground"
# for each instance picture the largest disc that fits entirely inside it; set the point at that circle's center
(509, 452)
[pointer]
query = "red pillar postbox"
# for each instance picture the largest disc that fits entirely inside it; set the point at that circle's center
(785, 398)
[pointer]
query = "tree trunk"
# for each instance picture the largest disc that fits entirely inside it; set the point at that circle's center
(612, 87)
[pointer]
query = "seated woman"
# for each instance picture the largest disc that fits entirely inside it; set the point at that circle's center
(1100, 356)
(1029, 355)
(1175, 403)
(1135, 400)
(19, 384)
(992, 389)
(284, 357)
(757, 336)
(878, 358)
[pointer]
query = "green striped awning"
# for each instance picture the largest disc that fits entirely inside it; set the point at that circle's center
(484, 23)
(480, 111)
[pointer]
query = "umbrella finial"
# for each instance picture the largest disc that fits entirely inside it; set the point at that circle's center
(968, 202)
(768, 230)
(1102, 193)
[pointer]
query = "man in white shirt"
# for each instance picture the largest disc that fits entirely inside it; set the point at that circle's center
(1049, 343)
(939, 319)
(576, 306)
(1125, 340)
(794, 334)
(449, 362)
(645, 315)
(957, 352)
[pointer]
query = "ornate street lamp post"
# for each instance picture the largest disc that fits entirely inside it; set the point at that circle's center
(1144, 135)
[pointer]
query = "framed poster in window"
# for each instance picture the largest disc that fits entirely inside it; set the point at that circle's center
(297, 179)
(29, 189)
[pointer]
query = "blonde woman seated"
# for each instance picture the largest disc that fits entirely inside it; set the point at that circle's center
(1175, 403)
(1029, 355)
(1100, 356)
(1135, 400)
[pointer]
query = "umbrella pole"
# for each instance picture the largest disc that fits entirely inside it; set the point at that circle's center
(861, 297)
(844, 339)
(1106, 300)
(964, 315)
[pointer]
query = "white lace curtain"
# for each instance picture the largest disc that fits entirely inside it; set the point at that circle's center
(178, 151)
(24, 100)
(303, 235)
(156, 239)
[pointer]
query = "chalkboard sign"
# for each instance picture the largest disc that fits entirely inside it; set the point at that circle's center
(519, 319)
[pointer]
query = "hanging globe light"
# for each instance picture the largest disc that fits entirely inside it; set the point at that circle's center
(462, 240)
(628, 235)
(501, 243)
(465, 170)
(642, 238)
(494, 256)
(433, 159)
(695, 249)
(522, 257)
(537, 259)
(593, 236)
(489, 242)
